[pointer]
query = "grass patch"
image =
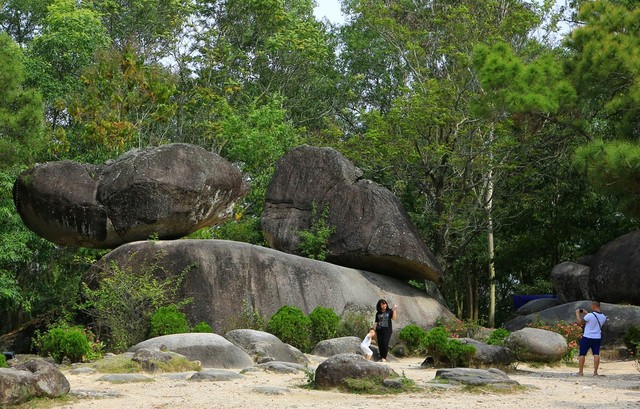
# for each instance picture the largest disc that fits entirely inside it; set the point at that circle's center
(46, 403)
(180, 365)
(117, 364)
(375, 386)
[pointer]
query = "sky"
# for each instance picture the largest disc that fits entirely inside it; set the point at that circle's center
(329, 9)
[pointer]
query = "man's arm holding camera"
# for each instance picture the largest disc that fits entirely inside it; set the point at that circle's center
(579, 318)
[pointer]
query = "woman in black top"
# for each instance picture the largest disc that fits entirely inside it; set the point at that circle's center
(384, 327)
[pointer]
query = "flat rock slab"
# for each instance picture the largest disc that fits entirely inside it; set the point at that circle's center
(125, 378)
(471, 376)
(215, 375)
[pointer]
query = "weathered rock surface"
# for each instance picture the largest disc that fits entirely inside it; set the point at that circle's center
(212, 350)
(613, 277)
(151, 359)
(335, 346)
(32, 379)
(168, 192)
(490, 355)
(373, 231)
(336, 369)
(538, 304)
(221, 274)
(619, 319)
(471, 376)
(535, 344)
(571, 281)
(263, 346)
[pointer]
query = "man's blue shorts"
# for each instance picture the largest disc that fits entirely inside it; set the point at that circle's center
(589, 343)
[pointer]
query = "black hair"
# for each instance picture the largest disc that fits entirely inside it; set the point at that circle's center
(380, 302)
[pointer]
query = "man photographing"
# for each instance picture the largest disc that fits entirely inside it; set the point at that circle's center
(592, 335)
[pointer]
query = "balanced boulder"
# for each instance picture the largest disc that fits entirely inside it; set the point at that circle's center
(165, 192)
(372, 230)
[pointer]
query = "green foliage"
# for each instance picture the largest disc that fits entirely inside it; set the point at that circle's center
(458, 328)
(122, 303)
(413, 336)
(243, 228)
(168, 320)
(62, 342)
(3, 361)
(632, 338)
(313, 242)
(325, 324)
(250, 318)
(202, 327)
(375, 386)
(291, 326)
(498, 336)
(444, 350)
(613, 168)
(354, 324)
(21, 115)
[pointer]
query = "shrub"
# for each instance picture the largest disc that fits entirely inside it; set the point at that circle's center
(168, 320)
(202, 327)
(458, 328)
(413, 336)
(313, 242)
(498, 336)
(3, 361)
(632, 338)
(325, 324)
(458, 354)
(354, 324)
(291, 326)
(122, 303)
(63, 341)
(250, 318)
(435, 344)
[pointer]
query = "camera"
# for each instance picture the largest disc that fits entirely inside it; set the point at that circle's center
(580, 310)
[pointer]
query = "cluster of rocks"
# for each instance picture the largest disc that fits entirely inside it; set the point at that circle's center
(222, 358)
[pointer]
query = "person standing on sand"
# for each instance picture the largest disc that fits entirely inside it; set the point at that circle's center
(592, 335)
(384, 327)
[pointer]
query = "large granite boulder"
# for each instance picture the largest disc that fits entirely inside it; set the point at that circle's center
(31, 379)
(212, 350)
(264, 347)
(613, 276)
(220, 275)
(619, 319)
(166, 192)
(571, 281)
(490, 355)
(372, 230)
(335, 370)
(538, 345)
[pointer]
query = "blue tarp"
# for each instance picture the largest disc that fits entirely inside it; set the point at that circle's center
(520, 300)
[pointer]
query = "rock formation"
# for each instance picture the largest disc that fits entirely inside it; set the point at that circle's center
(166, 192)
(221, 274)
(372, 230)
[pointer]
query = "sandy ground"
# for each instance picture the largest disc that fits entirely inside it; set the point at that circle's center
(542, 387)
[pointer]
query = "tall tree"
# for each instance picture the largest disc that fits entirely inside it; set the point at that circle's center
(605, 67)
(22, 19)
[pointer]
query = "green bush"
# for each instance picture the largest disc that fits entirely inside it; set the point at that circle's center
(3, 361)
(435, 343)
(632, 338)
(62, 341)
(354, 324)
(291, 326)
(202, 327)
(168, 320)
(125, 298)
(458, 354)
(325, 324)
(498, 336)
(413, 336)
(313, 242)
